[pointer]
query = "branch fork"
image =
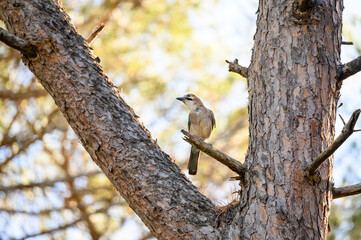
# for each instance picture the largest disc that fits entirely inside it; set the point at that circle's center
(29, 50)
(18, 43)
(348, 69)
(236, 68)
(347, 130)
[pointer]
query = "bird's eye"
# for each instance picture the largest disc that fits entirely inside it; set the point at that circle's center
(188, 97)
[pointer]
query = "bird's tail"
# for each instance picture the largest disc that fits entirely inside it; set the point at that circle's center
(193, 161)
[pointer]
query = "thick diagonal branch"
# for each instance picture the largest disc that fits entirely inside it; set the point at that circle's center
(349, 69)
(236, 68)
(221, 157)
(347, 130)
(15, 42)
(346, 191)
(107, 127)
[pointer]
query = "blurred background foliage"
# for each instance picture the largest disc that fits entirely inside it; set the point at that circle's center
(153, 51)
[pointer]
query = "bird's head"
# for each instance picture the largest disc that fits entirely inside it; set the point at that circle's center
(191, 100)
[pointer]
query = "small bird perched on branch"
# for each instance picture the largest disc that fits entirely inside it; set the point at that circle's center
(200, 123)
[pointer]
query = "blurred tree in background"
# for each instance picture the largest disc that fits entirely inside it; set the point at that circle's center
(153, 51)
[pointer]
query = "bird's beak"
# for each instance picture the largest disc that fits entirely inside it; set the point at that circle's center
(181, 98)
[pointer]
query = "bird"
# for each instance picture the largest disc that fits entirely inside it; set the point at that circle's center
(201, 122)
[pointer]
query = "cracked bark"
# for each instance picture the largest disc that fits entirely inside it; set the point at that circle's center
(292, 103)
(293, 95)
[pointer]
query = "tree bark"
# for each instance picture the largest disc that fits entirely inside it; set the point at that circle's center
(293, 94)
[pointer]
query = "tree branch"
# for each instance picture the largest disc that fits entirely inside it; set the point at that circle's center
(349, 69)
(34, 213)
(15, 42)
(235, 67)
(346, 191)
(96, 31)
(347, 130)
(221, 157)
(45, 183)
(16, 96)
(65, 226)
(23, 145)
(22, 148)
(347, 43)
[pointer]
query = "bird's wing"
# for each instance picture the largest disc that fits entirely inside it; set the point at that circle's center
(189, 122)
(212, 119)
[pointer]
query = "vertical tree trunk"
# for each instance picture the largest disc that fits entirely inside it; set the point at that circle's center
(293, 94)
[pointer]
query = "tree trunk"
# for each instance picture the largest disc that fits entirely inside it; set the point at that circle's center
(293, 94)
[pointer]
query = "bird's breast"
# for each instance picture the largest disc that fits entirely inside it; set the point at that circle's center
(201, 126)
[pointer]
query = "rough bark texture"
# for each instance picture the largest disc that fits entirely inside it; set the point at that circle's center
(151, 183)
(292, 104)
